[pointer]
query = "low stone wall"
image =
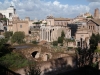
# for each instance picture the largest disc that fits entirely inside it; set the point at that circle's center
(67, 63)
(54, 66)
(71, 52)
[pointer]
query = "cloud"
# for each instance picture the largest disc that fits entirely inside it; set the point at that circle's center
(40, 8)
(93, 6)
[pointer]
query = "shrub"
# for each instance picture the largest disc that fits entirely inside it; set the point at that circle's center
(18, 37)
(34, 42)
(3, 48)
(60, 39)
(55, 43)
(70, 48)
(34, 70)
(8, 34)
(62, 34)
(13, 61)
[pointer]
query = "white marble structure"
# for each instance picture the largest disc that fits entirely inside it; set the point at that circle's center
(51, 33)
(9, 12)
(1, 26)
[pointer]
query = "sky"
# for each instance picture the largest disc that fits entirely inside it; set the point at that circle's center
(40, 9)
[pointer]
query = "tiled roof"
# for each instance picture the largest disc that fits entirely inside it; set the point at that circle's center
(61, 19)
(97, 21)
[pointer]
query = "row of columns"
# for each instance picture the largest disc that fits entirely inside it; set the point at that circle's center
(47, 34)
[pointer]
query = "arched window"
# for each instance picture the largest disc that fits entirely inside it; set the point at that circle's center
(20, 26)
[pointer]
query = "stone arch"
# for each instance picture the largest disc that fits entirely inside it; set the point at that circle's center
(35, 54)
(46, 56)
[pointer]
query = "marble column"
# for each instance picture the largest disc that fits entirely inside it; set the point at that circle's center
(51, 34)
(42, 34)
(47, 34)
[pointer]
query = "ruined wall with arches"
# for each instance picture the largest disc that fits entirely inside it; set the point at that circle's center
(39, 53)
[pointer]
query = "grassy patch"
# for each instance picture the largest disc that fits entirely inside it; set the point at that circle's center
(13, 61)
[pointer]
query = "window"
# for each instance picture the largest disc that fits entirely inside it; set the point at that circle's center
(10, 14)
(89, 27)
(78, 44)
(61, 23)
(49, 22)
(58, 23)
(20, 26)
(93, 27)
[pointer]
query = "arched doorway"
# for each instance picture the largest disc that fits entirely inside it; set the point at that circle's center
(46, 57)
(35, 54)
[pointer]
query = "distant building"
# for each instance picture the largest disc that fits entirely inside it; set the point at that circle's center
(51, 33)
(3, 23)
(9, 12)
(94, 26)
(85, 15)
(75, 26)
(82, 37)
(96, 14)
(1, 26)
(1, 16)
(18, 25)
(52, 21)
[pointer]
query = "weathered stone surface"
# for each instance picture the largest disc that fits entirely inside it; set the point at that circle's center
(38, 53)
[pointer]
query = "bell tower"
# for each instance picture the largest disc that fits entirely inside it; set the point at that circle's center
(96, 13)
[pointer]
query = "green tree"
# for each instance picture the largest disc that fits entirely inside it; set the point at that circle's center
(94, 40)
(8, 34)
(18, 37)
(60, 39)
(4, 19)
(90, 17)
(62, 34)
(37, 23)
(55, 43)
(3, 48)
(82, 54)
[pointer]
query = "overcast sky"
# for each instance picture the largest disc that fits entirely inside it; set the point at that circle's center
(58, 8)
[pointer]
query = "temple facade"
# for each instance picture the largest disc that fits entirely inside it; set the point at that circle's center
(51, 33)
